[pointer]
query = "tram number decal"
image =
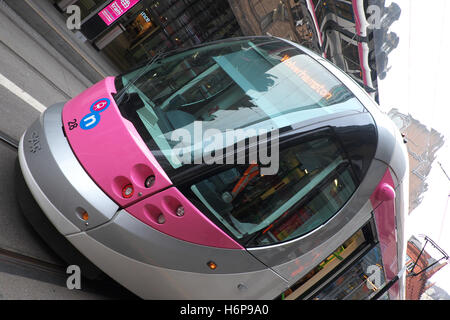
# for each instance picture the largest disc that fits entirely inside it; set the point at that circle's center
(72, 124)
(92, 119)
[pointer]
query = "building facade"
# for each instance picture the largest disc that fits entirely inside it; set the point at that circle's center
(353, 34)
(417, 285)
(131, 31)
(423, 145)
(288, 19)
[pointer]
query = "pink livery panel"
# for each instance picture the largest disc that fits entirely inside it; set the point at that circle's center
(383, 202)
(117, 159)
(171, 213)
(109, 147)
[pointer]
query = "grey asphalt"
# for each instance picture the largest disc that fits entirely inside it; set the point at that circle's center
(23, 288)
(32, 64)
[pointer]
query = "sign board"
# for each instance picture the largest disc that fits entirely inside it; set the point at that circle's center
(101, 21)
(115, 10)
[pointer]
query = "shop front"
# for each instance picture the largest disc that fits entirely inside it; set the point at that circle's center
(131, 31)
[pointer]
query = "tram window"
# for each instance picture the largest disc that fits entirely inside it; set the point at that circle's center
(239, 85)
(354, 283)
(314, 181)
(327, 266)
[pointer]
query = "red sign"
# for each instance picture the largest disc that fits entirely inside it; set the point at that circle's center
(115, 10)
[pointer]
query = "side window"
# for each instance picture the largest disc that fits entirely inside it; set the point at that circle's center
(313, 182)
(354, 271)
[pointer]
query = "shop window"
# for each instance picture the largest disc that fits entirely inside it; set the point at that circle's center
(150, 27)
(345, 10)
(88, 6)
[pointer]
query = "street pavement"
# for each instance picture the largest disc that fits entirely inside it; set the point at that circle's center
(33, 76)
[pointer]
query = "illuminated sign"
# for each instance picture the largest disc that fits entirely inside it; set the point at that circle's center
(147, 19)
(313, 84)
(115, 10)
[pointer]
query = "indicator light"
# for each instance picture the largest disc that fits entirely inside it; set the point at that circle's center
(85, 216)
(149, 181)
(127, 191)
(212, 265)
(161, 219)
(180, 211)
(82, 214)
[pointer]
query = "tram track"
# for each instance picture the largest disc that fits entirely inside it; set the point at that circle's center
(28, 267)
(13, 257)
(11, 142)
(14, 262)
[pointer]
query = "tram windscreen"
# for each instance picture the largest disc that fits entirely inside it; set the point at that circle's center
(313, 183)
(244, 84)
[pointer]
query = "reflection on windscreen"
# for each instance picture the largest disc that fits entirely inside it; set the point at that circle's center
(262, 83)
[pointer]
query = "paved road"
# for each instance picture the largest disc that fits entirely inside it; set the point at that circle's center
(33, 76)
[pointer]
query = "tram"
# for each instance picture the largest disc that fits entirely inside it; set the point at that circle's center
(247, 168)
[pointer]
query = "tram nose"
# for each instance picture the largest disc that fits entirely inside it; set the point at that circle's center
(57, 180)
(109, 148)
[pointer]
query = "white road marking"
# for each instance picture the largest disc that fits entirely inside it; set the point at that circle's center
(5, 82)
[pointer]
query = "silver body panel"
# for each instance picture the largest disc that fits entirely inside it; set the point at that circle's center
(62, 179)
(143, 243)
(152, 282)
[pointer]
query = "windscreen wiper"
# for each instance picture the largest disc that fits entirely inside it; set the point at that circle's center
(153, 60)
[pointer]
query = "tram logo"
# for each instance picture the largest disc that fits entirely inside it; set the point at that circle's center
(92, 119)
(100, 105)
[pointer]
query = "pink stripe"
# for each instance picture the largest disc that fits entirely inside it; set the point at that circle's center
(358, 32)
(385, 221)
